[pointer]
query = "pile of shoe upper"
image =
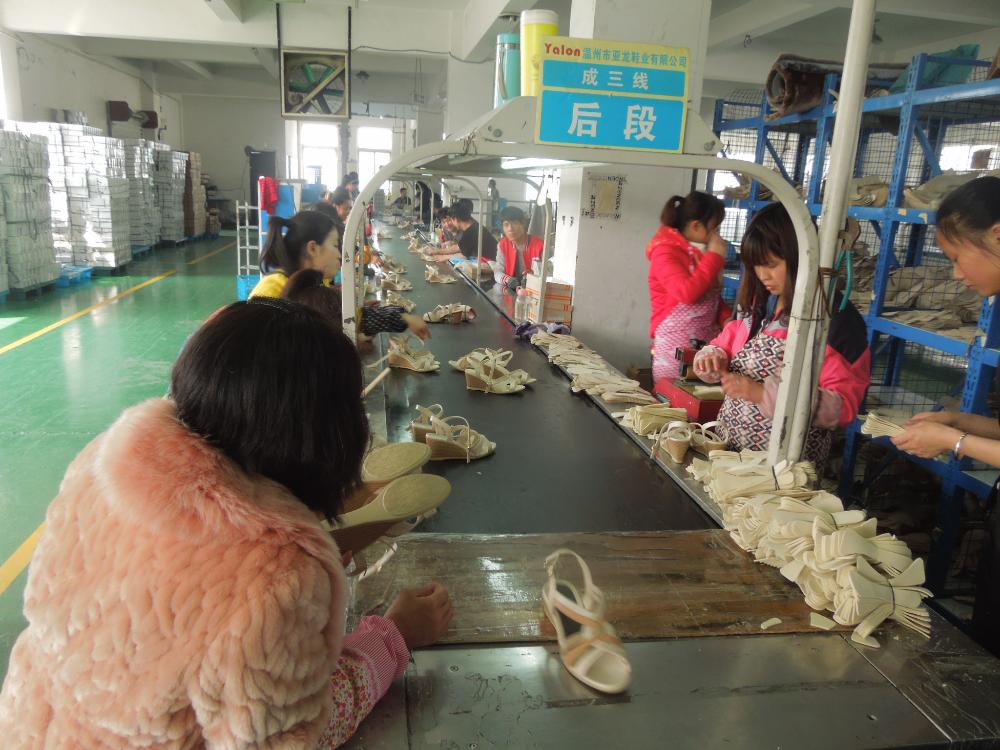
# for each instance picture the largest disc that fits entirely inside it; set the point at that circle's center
(836, 556)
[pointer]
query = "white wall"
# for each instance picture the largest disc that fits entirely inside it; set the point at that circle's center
(218, 128)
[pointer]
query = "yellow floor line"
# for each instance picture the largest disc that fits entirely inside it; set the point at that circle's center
(86, 311)
(17, 562)
(209, 255)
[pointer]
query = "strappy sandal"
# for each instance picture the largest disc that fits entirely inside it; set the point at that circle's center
(704, 439)
(398, 300)
(489, 377)
(388, 264)
(409, 497)
(627, 397)
(468, 267)
(454, 313)
(434, 276)
(393, 283)
(589, 647)
(425, 422)
(449, 441)
(676, 438)
(402, 356)
(469, 361)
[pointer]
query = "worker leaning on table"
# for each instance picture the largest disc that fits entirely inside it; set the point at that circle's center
(968, 231)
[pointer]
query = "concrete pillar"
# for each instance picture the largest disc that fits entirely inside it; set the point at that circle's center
(10, 78)
(611, 301)
(430, 126)
(470, 93)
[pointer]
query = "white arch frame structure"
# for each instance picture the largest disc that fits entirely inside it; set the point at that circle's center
(509, 132)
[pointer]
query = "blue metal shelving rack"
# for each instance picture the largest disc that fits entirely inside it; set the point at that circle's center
(922, 116)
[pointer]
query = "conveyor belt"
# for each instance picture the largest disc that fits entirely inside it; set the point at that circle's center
(560, 465)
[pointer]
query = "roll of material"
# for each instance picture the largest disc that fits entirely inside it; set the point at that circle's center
(508, 70)
(795, 84)
(536, 25)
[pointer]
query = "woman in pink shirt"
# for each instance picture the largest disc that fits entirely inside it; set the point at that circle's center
(184, 593)
(686, 257)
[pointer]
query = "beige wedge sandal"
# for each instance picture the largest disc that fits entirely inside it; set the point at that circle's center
(409, 497)
(457, 441)
(434, 276)
(398, 300)
(403, 357)
(454, 313)
(392, 282)
(704, 439)
(425, 422)
(675, 438)
(489, 377)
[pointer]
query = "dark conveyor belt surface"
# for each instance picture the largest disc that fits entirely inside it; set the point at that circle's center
(559, 466)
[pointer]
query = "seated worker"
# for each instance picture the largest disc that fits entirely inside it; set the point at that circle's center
(403, 201)
(350, 184)
(184, 593)
(516, 251)
(312, 242)
(746, 357)
(467, 245)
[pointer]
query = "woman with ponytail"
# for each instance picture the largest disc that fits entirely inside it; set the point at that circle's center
(309, 241)
(686, 257)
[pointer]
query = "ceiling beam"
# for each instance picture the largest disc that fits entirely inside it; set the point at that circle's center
(268, 59)
(227, 10)
(977, 12)
(198, 69)
(758, 18)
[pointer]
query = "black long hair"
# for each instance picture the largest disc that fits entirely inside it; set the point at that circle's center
(679, 211)
(968, 211)
(769, 233)
(307, 288)
(277, 388)
(285, 250)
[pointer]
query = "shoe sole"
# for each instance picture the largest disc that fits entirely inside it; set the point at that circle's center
(390, 462)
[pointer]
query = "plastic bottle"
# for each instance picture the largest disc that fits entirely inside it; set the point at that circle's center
(521, 305)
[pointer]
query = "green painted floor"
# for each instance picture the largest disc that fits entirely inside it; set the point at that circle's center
(60, 390)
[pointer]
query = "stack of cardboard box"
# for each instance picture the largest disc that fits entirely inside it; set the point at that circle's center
(558, 301)
(194, 198)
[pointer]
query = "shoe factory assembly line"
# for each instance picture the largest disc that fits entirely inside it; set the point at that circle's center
(686, 600)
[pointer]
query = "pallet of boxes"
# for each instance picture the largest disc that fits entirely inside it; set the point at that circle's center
(195, 200)
(169, 179)
(29, 262)
(144, 222)
(558, 301)
(108, 224)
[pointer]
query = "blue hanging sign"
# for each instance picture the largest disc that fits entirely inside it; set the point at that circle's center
(613, 95)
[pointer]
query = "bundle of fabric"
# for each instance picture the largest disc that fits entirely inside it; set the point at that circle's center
(928, 197)
(795, 84)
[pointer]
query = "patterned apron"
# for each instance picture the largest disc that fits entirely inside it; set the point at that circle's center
(743, 424)
(685, 322)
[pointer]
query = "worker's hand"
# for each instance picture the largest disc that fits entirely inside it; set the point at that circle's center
(710, 364)
(948, 418)
(717, 245)
(512, 284)
(376, 260)
(417, 326)
(422, 615)
(742, 387)
(927, 439)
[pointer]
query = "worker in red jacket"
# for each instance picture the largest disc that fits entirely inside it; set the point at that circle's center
(686, 257)
(517, 250)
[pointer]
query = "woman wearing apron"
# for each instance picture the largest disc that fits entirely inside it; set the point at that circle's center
(746, 356)
(686, 257)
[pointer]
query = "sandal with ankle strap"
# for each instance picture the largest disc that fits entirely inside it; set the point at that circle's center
(434, 276)
(500, 357)
(704, 439)
(454, 313)
(425, 422)
(489, 376)
(589, 647)
(392, 282)
(675, 437)
(398, 300)
(448, 441)
(402, 356)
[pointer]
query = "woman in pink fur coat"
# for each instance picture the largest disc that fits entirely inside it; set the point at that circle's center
(184, 594)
